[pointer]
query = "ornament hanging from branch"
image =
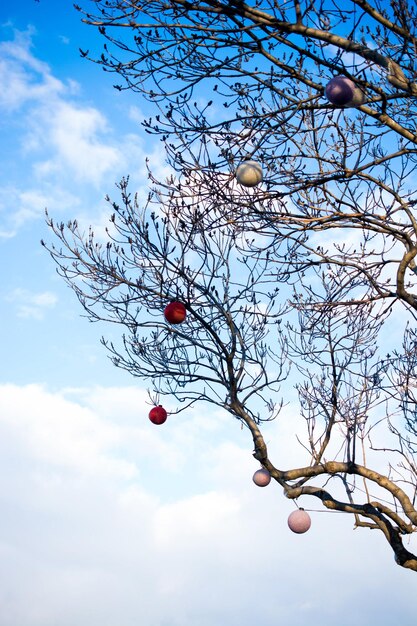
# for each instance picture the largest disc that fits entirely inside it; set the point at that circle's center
(249, 173)
(343, 92)
(158, 415)
(262, 478)
(175, 312)
(299, 521)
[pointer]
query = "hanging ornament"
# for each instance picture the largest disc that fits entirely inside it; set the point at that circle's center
(249, 173)
(158, 415)
(175, 312)
(342, 91)
(261, 477)
(299, 521)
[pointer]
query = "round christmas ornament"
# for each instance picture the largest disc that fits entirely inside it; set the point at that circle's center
(175, 312)
(299, 521)
(261, 477)
(158, 415)
(342, 91)
(249, 173)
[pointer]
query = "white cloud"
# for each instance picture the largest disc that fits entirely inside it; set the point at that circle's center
(94, 532)
(55, 432)
(197, 517)
(32, 305)
(136, 114)
(19, 207)
(77, 137)
(26, 77)
(66, 147)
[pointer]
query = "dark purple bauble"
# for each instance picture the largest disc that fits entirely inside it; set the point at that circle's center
(342, 91)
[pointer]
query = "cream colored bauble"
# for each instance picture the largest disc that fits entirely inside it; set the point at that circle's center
(249, 173)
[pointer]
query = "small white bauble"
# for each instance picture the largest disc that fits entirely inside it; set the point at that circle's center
(299, 521)
(261, 477)
(249, 173)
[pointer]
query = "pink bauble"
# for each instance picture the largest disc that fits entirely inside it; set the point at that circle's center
(261, 477)
(299, 521)
(342, 91)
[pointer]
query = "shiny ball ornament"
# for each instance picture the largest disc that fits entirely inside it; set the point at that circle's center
(249, 173)
(175, 312)
(299, 521)
(261, 477)
(158, 415)
(343, 92)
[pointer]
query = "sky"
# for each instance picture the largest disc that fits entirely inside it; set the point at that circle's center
(106, 519)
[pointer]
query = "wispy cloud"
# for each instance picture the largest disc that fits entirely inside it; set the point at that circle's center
(19, 207)
(77, 136)
(63, 149)
(24, 77)
(31, 305)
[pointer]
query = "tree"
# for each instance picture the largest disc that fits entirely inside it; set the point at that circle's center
(302, 278)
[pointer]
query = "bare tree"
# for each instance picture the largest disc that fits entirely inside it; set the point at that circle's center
(297, 278)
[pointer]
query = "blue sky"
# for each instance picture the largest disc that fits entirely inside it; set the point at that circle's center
(105, 519)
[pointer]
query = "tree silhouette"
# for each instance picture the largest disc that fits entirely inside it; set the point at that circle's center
(303, 277)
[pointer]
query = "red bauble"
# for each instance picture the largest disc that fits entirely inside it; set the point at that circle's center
(158, 415)
(299, 521)
(261, 477)
(342, 91)
(175, 312)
